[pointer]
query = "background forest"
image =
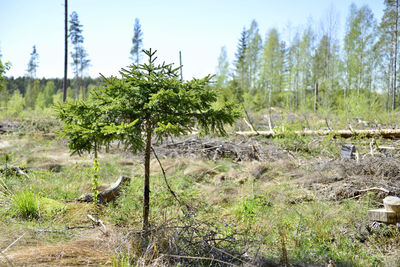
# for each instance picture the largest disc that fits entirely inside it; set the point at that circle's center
(313, 70)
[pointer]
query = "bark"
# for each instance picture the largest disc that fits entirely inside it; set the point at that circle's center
(65, 52)
(146, 192)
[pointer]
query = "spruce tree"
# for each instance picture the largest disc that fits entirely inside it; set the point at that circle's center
(33, 63)
(148, 102)
(241, 64)
(137, 42)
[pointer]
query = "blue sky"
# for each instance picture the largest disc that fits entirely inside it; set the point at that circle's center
(198, 28)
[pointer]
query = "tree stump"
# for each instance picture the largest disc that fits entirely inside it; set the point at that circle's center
(108, 194)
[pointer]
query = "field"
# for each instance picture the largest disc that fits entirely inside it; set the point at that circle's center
(231, 201)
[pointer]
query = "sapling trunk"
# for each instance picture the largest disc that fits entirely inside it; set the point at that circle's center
(146, 191)
(95, 177)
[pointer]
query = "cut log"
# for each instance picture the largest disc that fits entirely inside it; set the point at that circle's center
(385, 133)
(110, 193)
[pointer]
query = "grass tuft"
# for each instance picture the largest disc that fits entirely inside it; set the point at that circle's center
(25, 205)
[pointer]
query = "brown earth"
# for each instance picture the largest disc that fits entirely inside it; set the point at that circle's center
(74, 253)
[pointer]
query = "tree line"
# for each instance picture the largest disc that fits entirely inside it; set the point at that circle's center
(29, 92)
(310, 69)
(313, 69)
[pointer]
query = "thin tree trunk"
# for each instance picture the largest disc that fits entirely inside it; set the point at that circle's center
(395, 56)
(146, 192)
(316, 96)
(65, 51)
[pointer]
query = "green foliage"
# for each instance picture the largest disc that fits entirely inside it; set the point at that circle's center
(289, 139)
(48, 93)
(31, 94)
(170, 106)
(16, 104)
(85, 125)
(4, 67)
(25, 205)
(273, 62)
(248, 208)
(40, 102)
(222, 73)
(148, 99)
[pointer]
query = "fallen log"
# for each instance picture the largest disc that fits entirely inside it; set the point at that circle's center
(385, 133)
(110, 193)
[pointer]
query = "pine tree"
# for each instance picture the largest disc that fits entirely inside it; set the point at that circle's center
(33, 63)
(80, 62)
(137, 42)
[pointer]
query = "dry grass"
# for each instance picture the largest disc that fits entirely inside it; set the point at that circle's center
(74, 253)
(258, 197)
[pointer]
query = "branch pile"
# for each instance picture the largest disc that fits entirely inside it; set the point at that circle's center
(237, 149)
(342, 179)
(189, 242)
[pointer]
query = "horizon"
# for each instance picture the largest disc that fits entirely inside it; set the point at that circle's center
(171, 27)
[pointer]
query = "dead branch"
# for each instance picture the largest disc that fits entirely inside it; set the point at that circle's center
(165, 179)
(98, 222)
(374, 189)
(15, 241)
(199, 258)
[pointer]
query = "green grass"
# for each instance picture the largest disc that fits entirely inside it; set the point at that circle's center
(275, 213)
(25, 205)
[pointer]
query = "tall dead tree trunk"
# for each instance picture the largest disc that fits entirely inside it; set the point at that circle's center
(65, 52)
